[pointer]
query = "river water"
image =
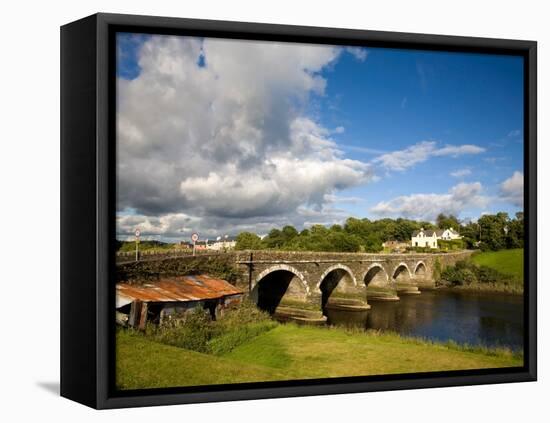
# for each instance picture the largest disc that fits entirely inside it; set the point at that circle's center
(475, 318)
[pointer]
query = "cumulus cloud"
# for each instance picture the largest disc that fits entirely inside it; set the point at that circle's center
(401, 160)
(428, 206)
(217, 132)
(511, 190)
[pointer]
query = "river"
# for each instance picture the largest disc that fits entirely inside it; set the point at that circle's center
(475, 318)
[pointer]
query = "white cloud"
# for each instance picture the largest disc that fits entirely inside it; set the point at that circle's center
(460, 173)
(428, 206)
(420, 152)
(172, 223)
(511, 190)
(227, 144)
(358, 52)
(358, 149)
(331, 198)
(458, 150)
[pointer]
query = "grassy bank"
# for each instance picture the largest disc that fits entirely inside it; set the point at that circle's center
(509, 262)
(494, 271)
(289, 352)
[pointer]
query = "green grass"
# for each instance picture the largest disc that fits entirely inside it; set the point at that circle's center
(509, 262)
(290, 352)
(142, 363)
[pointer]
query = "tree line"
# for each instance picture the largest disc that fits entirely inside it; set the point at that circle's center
(490, 232)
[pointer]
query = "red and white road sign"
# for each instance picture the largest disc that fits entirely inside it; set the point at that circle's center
(138, 233)
(195, 237)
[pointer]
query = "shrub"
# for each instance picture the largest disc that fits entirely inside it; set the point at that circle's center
(455, 244)
(488, 275)
(198, 332)
(192, 333)
(245, 312)
(467, 272)
(437, 269)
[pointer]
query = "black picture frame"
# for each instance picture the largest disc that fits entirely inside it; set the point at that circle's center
(88, 198)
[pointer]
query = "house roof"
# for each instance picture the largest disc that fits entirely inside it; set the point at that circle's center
(427, 232)
(430, 232)
(175, 289)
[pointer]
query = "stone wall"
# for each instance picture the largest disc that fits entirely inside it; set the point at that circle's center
(308, 277)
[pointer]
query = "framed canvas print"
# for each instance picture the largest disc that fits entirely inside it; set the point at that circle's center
(256, 211)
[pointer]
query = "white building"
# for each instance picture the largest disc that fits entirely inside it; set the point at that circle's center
(424, 238)
(429, 237)
(222, 245)
(448, 234)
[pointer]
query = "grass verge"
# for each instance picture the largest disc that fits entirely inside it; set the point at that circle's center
(290, 352)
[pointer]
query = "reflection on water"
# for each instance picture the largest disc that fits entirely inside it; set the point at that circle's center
(474, 318)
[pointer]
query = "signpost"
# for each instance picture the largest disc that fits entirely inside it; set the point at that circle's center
(194, 238)
(137, 234)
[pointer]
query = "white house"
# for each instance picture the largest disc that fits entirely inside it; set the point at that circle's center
(429, 237)
(222, 244)
(448, 234)
(424, 238)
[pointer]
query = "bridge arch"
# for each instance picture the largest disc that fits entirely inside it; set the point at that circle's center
(420, 269)
(285, 267)
(333, 268)
(376, 275)
(401, 272)
(277, 284)
(336, 279)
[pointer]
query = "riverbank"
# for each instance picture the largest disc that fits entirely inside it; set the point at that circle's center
(508, 262)
(496, 287)
(490, 271)
(290, 352)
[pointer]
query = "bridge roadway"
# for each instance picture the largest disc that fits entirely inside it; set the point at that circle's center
(302, 285)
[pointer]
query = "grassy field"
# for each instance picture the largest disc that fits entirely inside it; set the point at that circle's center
(509, 262)
(294, 352)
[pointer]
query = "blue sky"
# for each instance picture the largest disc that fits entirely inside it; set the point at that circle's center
(241, 135)
(397, 98)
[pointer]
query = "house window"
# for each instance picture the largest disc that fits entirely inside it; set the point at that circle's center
(416, 244)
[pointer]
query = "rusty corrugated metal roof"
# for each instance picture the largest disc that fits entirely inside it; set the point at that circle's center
(175, 289)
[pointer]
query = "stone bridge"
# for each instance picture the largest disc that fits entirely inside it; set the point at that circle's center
(285, 282)
(304, 285)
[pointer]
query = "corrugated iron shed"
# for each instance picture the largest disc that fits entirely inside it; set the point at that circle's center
(175, 289)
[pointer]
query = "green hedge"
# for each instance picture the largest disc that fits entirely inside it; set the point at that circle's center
(455, 244)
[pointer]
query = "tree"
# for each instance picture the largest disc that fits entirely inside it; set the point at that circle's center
(248, 241)
(373, 244)
(492, 233)
(445, 222)
(274, 239)
(288, 234)
(516, 232)
(470, 234)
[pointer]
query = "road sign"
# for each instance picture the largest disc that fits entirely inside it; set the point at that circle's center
(195, 237)
(137, 233)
